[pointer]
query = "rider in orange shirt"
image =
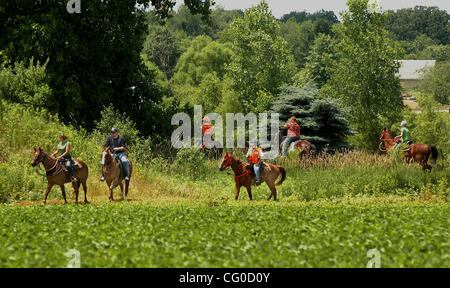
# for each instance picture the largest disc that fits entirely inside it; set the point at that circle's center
(254, 156)
(207, 130)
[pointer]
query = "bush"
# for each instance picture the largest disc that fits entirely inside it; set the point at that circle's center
(25, 84)
(191, 162)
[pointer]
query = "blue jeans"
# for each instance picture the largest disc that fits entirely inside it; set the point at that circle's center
(286, 144)
(125, 164)
(69, 165)
(256, 167)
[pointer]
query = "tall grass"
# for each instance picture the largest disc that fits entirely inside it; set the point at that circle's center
(190, 175)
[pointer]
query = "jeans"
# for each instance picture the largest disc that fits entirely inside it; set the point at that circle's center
(257, 167)
(69, 165)
(125, 164)
(286, 144)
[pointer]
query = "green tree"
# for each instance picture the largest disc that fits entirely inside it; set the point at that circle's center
(321, 58)
(364, 78)
(25, 84)
(161, 48)
(408, 23)
(261, 60)
(436, 82)
(323, 122)
(94, 56)
(304, 16)
(299, 38)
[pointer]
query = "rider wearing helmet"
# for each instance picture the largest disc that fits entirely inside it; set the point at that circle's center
(207, 130)
(117, 145)
(404, 135)
(254, 156)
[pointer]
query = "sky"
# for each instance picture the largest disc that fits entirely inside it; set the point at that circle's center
(281, 7)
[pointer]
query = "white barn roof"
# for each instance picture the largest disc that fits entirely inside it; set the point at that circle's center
(411, 69)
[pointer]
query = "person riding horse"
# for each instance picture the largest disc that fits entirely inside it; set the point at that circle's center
(404, 136)
(293, 134)
(254, 157)
(117, 145)
(64, 156)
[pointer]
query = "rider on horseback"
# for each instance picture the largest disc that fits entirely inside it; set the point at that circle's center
(293, 134)
(207, 130)
(404, 137)
(254, 156)
(117, 145)
(64, 156)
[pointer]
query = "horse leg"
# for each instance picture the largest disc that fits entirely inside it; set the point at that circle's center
(76, 188)
(85, 192)
(238, 189)
(121, 190)
(63, 190)
(273, 190)
(49, 187)
(127, 184)
(249, 191)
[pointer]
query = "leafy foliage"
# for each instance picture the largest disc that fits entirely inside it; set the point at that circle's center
(25, 84)
(322, 120)
(364, 77)
(261, 61)
(437, 82)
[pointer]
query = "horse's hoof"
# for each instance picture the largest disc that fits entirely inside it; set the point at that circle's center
(43, 203)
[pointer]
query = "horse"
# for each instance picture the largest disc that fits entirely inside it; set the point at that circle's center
(113, 176)
(419, 152)
(387, 140)
(305, 148)
(57, 174)
(243, 175)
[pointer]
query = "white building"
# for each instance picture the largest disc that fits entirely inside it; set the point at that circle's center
(410, 72)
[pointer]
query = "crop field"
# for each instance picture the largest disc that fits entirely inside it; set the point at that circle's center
(239, 235)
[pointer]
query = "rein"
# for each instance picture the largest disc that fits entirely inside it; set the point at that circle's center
(236, 177)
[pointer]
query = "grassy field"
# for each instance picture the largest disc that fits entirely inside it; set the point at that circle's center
(332, 210)
(241, 235)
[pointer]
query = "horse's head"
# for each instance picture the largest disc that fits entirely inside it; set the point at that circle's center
(226, 161)
(107, 156)
(38, 157)
(386, 134)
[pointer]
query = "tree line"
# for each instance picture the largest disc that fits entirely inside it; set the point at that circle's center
(151, 63)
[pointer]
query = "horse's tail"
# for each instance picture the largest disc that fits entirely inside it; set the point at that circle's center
(283, 175)
(434, 155)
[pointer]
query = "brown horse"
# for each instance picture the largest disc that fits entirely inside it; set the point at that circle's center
(304, 147)
(387, 140)
(57, 175)
(113, 176)
(244, 177)
(419, 152)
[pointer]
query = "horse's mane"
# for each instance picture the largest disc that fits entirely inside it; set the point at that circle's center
(235, 159)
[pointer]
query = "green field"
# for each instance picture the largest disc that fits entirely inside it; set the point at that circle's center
(247, 235)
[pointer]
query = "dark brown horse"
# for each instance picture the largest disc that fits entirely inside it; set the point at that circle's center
(57, 174)
(419, 152)
(304, 147)
(113, 176)
(243, 175)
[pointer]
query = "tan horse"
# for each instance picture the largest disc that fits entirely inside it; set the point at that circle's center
(244, 177)
(57, 175)
(113, 177)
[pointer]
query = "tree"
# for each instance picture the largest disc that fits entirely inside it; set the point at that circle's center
(199, 73)
(94, 56)
(160, 48)
(299, 38)
(364, 77)
(323, 122)
(25, 84)
(436, 82)
(261, 60)
(304, 16)
(407, 24)
(320, 59)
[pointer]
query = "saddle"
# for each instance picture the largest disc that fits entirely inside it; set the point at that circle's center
(264, 169)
